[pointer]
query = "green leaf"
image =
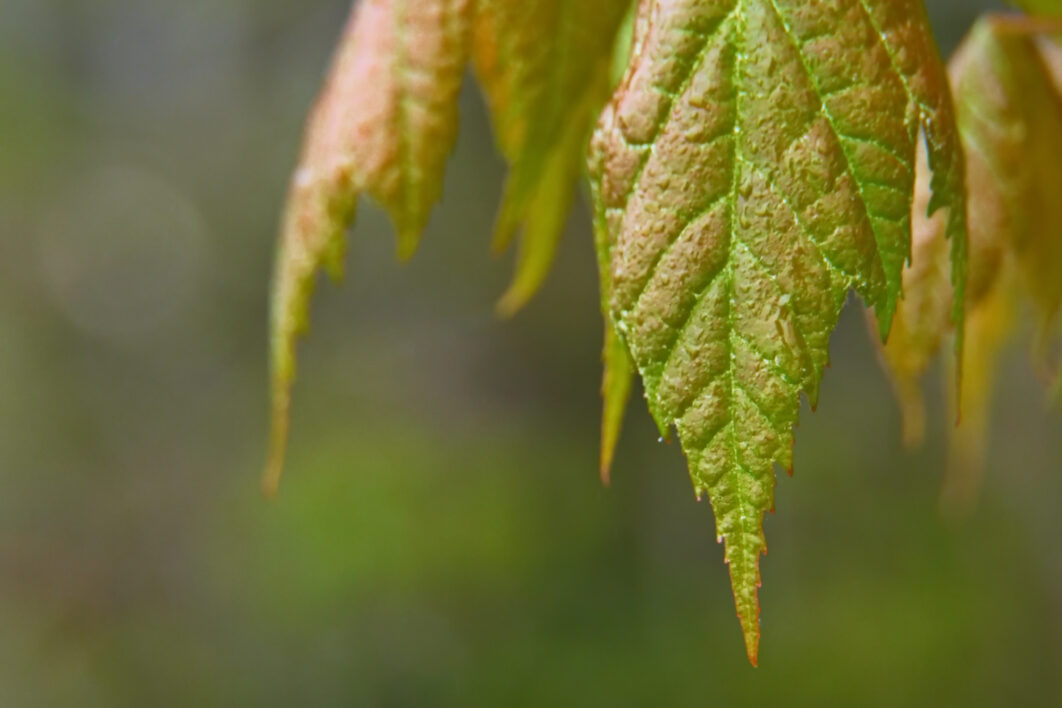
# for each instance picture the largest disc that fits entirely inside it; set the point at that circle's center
(384, 125)
(545, 68)
(756, 163)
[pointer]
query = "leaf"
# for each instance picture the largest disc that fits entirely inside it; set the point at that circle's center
(1010, 120)
(1010, 115)
(755, 163)
(384, 124)
(387, 119)
(544, 67)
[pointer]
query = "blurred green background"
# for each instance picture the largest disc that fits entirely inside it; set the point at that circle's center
(441, 537)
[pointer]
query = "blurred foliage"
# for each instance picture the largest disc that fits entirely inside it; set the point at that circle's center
(442, 537)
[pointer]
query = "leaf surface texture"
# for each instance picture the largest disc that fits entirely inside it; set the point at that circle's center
(755, 163)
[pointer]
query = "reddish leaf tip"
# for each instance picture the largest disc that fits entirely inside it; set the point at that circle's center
(606, 477)
(608, 452)
(605, 470)
(278, 443)
(751, 631)
(511, 302)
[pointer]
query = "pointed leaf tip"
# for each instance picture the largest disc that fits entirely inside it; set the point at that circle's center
(752, 649)
(615, 392)
(313, 237)
(747, 601)
(407, 243)
(543, 225)
(278, 441)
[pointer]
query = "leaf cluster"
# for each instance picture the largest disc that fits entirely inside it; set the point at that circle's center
(387, 120)
(751, 162)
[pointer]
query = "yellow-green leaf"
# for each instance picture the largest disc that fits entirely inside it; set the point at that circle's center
(384, 125)
(756, 163)
(544, 66)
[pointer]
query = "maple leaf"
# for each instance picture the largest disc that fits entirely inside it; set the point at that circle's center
(545, 69)
(384, 125)
(1006, 80)
(756, 163)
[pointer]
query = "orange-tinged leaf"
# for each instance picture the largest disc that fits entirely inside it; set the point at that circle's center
(1010, 120)
(1010, 115)
(384, 125)
(756, 163)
